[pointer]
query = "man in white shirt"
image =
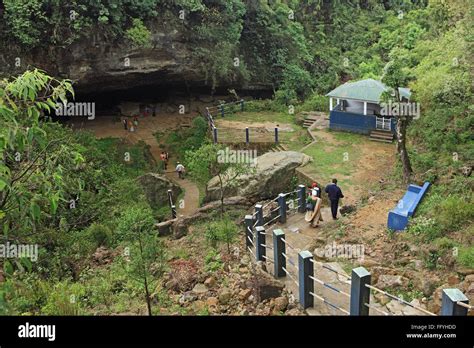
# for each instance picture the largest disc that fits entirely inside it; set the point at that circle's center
(180, 170)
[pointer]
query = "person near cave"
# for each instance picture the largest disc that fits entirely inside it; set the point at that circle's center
(313, 207)
(314, 190)
(180, 170)
(164, 159)
(334, 194)
(124, 122)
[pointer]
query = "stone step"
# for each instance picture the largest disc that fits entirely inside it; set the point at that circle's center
(382, 140)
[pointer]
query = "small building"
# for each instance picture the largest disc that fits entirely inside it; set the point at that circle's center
(357, 108)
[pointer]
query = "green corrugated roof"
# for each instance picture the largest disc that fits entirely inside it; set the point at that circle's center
(366, 90)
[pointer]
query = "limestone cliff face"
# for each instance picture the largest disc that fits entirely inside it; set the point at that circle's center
(97, 64)
(100, 66)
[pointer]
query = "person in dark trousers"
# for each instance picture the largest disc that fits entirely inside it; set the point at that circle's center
(334, 194)
(124, 122)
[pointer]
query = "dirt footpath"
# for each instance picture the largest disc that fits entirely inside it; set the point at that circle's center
(104, 127)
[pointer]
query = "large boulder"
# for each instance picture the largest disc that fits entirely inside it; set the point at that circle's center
(156, 189)
(273, 174)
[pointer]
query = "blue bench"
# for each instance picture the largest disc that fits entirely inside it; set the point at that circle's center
(398, 217)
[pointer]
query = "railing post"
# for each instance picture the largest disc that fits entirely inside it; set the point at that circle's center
(172, 206)
(222, 109)
(449, 306)
(247, 135)
(360, 294)
(276, 135)
(173, 211)
(278, 250)
(215, 134)
(283, 207)
(241, 105)
(248, 230)
(259, 214)
(301, 198)
(260, 238)
(306, 284)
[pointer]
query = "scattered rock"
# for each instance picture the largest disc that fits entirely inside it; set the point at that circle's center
(466, 170)
(267, 287)
(465, 271)
(186, 297)
(367, 262)
(103, 256)
(391, 281)
(212, 302)
(245, 294)
(382, 299)
(453, 279)
(225, 296)
(281, 303)
(199, 305)
(210, 282)
(200, 288)
(347, 209)
(294, 312)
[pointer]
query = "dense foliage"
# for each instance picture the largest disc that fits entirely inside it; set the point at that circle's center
(72, 193)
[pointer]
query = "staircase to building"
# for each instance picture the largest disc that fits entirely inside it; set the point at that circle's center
(382, 136)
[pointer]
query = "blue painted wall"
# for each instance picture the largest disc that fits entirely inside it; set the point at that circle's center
(351, 122)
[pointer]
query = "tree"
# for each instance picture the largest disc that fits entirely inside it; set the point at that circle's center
(146, 254)
(34, 157)
(395, 76)
(209, 161)
(223, 230)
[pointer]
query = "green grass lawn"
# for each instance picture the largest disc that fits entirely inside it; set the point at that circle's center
(293, 140)
(336, 159)
(277, 117)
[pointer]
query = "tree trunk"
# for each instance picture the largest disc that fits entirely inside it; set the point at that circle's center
(147, 292)
(222, 194)
(402, 124)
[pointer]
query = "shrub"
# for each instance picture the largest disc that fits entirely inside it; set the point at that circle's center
(100, 234)
(139, 34)
(466, 256)
(213, 261)
(454, 211)
(223, 230)
(424, 227)
(316, 102)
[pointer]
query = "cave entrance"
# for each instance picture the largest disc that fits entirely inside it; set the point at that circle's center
(163, 100)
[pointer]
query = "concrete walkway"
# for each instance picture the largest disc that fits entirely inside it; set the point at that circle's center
(299, 236)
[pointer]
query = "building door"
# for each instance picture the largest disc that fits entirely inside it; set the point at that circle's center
(383, 123)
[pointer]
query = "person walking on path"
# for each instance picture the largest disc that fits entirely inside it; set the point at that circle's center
(164, 160)
(334, 194)
(124, 122)
(180, 170)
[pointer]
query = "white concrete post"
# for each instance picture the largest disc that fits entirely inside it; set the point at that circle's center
(330, 104)
(365, 108)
